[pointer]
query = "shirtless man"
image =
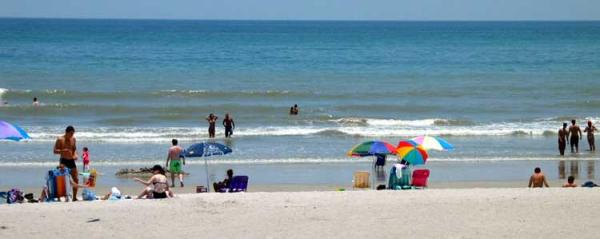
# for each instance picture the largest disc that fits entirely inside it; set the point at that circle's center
(562, 139)
(66, 147)
(538, 180)
(575, 135)
(176, 162)
(229, 125)
(590, 129)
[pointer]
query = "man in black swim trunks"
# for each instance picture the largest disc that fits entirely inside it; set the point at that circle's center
(66, 147)
(575, 135)
(229, 125)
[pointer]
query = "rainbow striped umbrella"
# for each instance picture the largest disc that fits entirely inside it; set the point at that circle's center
(412, 152)
(371, 148)
(435, 143)
(12, 132)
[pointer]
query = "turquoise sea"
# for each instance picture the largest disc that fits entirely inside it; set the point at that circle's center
(497, 90)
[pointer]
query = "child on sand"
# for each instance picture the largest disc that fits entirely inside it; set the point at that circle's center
(570, 183)
(86, 159)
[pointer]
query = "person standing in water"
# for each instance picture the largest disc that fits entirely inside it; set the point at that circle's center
(229, 125)
(176, 162)
(590, 135)
(66, 147)
(562, 139)
(35, 102)
(212, 120)
(575, 135)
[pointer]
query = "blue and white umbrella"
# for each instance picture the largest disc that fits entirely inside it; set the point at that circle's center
(206, 150)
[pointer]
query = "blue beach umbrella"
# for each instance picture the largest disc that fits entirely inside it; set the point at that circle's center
(206, 150)
(12, 132)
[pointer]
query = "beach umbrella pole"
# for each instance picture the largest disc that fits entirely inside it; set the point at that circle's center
(206, 168)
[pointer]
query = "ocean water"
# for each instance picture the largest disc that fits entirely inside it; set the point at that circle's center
(497, 90)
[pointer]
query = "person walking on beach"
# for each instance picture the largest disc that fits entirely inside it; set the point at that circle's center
(229, 125)
(537, 180)
(575, 135)
(66, 147)
(212, 120)
(176, 162)
(562, 139)
(590, 129)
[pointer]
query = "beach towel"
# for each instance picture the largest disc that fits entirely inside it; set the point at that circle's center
(589, 184)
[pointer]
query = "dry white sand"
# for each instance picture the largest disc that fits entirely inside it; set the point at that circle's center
(433, 213)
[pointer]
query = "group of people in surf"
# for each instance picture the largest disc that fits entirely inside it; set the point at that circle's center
(573, 134)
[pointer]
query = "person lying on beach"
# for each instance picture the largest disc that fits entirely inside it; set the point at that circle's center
(224, 185)
(570, 183)
(157, 186)
(537, 180)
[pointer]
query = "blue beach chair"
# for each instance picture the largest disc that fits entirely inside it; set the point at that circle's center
(238, 184)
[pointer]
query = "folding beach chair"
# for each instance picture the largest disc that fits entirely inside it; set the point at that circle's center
(419, 178)
(361, 179)
(58, 184)
(238, 184)
(399, 177)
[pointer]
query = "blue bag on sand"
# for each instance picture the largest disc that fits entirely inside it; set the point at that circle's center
(589, 184)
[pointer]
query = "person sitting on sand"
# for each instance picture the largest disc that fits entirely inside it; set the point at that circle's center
(157, 186)
(570, 183)
(224, 185)
(538, 180)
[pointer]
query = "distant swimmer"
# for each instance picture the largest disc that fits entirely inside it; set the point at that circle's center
(294, 110)
(562, 139)
(590, 129)
(229, 125)
(35, 102)
(212, 120)
(537, 180)
(575, 135)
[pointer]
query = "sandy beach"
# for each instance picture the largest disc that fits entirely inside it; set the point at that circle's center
(434, 213)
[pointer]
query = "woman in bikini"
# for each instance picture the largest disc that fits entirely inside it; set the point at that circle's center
(157, 186)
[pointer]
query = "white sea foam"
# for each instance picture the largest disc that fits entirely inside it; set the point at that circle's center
(349, 127)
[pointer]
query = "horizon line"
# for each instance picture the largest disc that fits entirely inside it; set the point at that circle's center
(304, 20)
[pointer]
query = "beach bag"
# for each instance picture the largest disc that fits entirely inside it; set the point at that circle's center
(589, 184)
(88, 195)
(14, 196)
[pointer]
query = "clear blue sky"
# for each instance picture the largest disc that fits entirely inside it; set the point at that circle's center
(308, 9)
